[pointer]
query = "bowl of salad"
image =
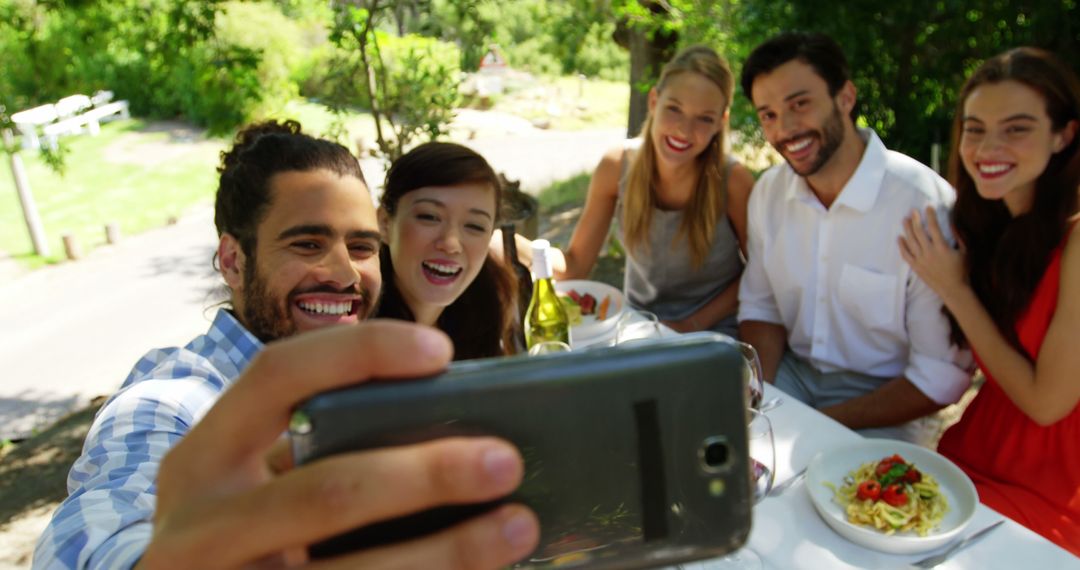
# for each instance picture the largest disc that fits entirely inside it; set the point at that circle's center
(594, 307)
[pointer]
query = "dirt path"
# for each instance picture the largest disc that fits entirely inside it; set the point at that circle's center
(33, 478)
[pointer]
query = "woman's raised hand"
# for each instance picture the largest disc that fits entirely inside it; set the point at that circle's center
(931, 256)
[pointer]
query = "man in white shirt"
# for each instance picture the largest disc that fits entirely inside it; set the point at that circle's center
(838, 318)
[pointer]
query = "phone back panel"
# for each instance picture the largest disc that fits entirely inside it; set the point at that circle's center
(635, 456)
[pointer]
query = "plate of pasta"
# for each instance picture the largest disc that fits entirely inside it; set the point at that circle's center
(891, 496)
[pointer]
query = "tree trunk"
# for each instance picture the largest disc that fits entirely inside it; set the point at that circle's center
(649, 51)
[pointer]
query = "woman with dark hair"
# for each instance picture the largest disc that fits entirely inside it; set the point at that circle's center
(1013, 288)
(438, 211)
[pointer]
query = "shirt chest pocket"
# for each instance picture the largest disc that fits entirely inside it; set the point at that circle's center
(869, 297)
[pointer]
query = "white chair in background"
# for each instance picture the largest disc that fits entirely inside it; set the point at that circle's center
(101, 97)
(91, 118)
(29, 120)
(68, 116)
(72, 105)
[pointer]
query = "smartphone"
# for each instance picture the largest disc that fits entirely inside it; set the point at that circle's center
(635, 455)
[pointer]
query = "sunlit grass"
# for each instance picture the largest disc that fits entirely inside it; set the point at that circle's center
(138, 175)
(564, 193)
(133, 174)
(318, 120)
(567, 103)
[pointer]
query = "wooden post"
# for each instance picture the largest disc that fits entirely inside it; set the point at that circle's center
(935, 157)
(26, 199)
(112, 233)
(71, 247)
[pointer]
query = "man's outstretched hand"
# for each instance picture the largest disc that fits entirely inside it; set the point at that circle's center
(228, 496)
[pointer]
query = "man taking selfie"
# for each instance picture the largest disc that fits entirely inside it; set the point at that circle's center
(185, 466)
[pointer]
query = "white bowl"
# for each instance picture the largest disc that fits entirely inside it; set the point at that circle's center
(832, 466)
(591, 327)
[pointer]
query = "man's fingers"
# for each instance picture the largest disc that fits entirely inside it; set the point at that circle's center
(256, 408)
(279, 459)
(348, 491)
(494, 540)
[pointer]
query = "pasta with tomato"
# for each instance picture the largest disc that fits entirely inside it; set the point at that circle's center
(892, 496)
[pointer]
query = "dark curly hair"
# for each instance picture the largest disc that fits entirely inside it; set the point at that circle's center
(481, 322)
(260, 151)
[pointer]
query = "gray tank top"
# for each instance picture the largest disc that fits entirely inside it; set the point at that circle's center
(663, 279)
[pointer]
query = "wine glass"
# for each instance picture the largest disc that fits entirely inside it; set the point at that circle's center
(548, 347)
(754, 386)
(635, 326)
(762, 454)
(762, 465)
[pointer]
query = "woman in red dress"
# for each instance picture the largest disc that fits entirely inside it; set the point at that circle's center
(1013, 287)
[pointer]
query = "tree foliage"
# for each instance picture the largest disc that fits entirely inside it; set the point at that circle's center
(168, 58)
(541, 36)
(410, 84)
(908, 59)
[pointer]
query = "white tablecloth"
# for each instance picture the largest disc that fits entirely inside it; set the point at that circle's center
(788, 533)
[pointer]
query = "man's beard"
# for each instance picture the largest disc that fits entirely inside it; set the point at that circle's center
(269, 318)
(831, 136)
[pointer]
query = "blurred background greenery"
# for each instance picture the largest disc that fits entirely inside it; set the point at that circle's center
(219, 64)
(382, 75)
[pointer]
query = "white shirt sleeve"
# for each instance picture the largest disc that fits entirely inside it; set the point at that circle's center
(935, 366)
(756, 300)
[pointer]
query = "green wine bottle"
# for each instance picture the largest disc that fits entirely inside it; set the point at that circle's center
(546, 318)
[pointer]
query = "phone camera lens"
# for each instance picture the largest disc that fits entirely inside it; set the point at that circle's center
(715, 454)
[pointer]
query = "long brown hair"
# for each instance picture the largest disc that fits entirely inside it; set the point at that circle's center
(1007, 256)
(482, 321)
(708, 204)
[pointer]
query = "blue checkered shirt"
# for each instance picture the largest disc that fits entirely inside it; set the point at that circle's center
(106, 520)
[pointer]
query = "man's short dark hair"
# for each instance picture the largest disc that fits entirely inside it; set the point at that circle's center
(817, 50)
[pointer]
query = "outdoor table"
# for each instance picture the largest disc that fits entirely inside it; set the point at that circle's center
(789, 533)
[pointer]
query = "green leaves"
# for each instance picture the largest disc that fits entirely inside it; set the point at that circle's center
(409, 83)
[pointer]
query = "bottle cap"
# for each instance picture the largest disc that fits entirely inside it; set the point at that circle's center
(541, 262)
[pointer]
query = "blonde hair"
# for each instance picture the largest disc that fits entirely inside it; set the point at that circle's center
(707, 205)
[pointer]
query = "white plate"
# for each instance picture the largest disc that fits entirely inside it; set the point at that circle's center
(590, 326)
(833, 465)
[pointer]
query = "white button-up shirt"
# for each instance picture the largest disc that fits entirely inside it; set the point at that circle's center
(834, 278)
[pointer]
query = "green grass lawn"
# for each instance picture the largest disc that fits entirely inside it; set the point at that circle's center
(139, 174)
(569, 104)
(134, 174)
(317, 120)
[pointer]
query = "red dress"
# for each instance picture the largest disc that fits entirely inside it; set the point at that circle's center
(1024, 471)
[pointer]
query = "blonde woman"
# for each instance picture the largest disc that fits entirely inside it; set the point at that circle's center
(680, 202)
